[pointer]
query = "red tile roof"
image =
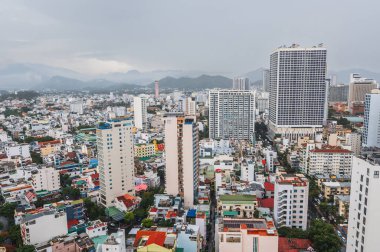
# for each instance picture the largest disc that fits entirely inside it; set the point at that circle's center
(293, 244)
(268, 203)
(154, 237)
(331, 149)
(269, 186)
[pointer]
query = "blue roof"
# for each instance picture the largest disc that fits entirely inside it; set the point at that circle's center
(191, 213)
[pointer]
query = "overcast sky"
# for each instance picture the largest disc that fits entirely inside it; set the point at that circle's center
(219, 36)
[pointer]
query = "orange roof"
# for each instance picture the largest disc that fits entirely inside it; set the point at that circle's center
(292, 244)
(269, 186)
(331, 149)
(154, 237)
(52, 142)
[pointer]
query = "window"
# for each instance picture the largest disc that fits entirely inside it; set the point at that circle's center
(376, 174)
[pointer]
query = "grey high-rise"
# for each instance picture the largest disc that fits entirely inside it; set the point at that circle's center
(231, 114)
(298, 91)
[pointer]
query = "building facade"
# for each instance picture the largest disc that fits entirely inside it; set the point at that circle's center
(140, 113)
(359, 87)
(240, 83)
(46, 178)
(364, 211)
(182, 157)
(291, 201)
(231, 114)
(298, 91)
(371, 130)
(116, 159)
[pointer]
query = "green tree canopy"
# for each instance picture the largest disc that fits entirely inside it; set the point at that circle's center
(147, 223)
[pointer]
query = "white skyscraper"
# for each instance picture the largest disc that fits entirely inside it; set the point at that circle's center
(240, 83)
(116, 159)
(298, 91)
(189, 106)
(266, 77)
(364, 212)
(371, 130)
(231, 114)
(140, 104)
(182, 157)
(291, 201)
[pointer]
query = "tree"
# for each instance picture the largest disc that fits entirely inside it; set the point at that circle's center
(140, 213)
(147, 200)
(65, 180)
(36, 157)
(15, 235)
(26, 248)
(292, 233)
(165, 223)
(129, 218)
(8, 210)
(93, 211)
(70, 193)
(147, 223)
(256, 213)
(323, 237)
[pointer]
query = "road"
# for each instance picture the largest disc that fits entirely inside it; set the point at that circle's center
(315, 212)
(211, 234)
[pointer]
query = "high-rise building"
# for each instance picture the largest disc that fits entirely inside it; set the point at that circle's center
(371, 132)
(156, 89)
(291, 201)
(182, 157)
(116, 159)
(46, 178)
(364, 212)
(338, 93)
(330, 160)
(231, 114)
(140, 104)
(240, 83)
(189, 106)
(298, 91)
(266, 78)
(359, 87)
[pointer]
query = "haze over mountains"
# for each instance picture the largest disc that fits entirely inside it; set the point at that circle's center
(37, 76)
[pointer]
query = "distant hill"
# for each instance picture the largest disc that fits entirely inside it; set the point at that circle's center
(60, 83)
(201, 82)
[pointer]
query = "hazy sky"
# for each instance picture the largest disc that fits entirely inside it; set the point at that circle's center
(219, 36)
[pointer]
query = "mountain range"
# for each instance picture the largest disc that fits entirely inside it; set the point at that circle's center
(42, 77)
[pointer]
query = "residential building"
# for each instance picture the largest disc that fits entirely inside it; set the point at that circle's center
(145, 150)
(331, 189)
(371, 129)
(354, 142)
(298, 91)
(182, 156)
(240, 83)
(359, 87)
(262, 102)
(13, 150)
(231, 114)
(156, 89)
(140, 104)
(364, 213)
(189, 106)
(46, 178)
(259, 235)
(291, 201)
(76, 107)
(266, 78)
(343, 204)
(42, 226)
(240, 206)
(330, 160)
(338, 93)
(116, 159)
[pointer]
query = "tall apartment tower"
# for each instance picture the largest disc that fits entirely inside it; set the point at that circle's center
(116, 159)
(291, 201)
(231, 114)
(189, 106)
(266, 78)
(182, 156)
(364, 212)
(240, 83)
(359, 87)
(156, 89)
(298, 91)
(371, 132)
(140, 113)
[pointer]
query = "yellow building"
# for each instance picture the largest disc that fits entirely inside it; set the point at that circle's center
(330, 189)
(145, 150)
(154, 248)
(49, 147)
